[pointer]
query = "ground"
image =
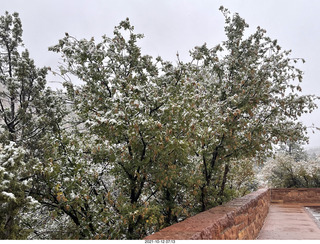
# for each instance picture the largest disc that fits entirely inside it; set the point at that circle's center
(289, 222)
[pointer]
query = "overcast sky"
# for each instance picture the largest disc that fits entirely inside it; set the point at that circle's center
(172, 26)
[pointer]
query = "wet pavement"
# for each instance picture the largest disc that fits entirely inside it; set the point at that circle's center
(290, 222)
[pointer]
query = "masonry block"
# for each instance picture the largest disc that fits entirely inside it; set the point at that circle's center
(241, 218)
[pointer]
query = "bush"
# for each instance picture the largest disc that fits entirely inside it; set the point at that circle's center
(284, 171)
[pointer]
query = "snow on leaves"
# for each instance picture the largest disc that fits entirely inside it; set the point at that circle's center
(144, 143)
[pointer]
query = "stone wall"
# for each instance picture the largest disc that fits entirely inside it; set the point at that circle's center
(295, 195)
(239, 219)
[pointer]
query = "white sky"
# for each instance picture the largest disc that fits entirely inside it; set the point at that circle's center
(172, 26)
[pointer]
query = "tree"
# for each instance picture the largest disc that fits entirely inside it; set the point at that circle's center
(293, 149)
(28, 111)
(27, 106)
(167, 137)
(284, 171)
(250, 101)
(11, 191)
(146, 143)
(136, 118)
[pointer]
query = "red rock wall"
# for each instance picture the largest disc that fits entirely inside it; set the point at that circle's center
(295, 195)
(239, 219)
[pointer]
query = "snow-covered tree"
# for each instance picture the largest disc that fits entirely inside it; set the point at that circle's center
(28, 111)
(146, 143)
(169, 138)
(26, 104)
(13, 185)
(284, 171)
(136, 110)
(294, 149)
(249, 90)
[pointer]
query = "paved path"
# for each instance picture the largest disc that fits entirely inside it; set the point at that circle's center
(289, 222)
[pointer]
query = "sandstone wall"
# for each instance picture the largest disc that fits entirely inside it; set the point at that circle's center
(295, 195)
(239, 219)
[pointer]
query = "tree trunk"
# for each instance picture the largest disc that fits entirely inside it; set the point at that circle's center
(224, 180)
(203, 199)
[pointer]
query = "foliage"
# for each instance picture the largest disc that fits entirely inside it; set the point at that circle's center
(284, 171)
(28, 111)
(242, 180)
(291, 167)
(248, 97)
(294, 149)
(142, 143)
(11, 190)
(139, 122)
(27, 107)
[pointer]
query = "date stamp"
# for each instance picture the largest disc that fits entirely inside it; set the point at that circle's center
(159, 241)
